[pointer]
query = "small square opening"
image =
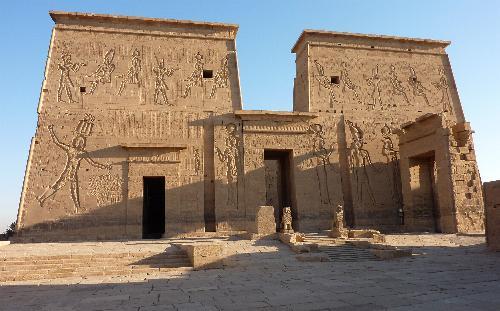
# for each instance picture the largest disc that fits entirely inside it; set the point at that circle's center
(208, 74)
(335, 80)
(83, 89)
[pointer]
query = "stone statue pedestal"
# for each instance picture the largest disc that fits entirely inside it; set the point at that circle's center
(339, 233)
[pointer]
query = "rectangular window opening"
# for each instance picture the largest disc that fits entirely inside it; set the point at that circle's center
(208, 74)
(335, 80)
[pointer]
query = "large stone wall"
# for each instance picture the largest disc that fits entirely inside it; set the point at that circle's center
(492, 206)
(376, 84)
(124, 98)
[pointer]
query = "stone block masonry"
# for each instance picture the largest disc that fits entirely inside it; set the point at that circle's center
(141, 133)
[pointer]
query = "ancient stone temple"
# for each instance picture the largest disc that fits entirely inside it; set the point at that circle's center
(141, 134)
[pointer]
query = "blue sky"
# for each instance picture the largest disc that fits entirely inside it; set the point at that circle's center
(268, 29)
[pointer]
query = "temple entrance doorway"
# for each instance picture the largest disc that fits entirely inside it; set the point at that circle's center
(423, 187)
(278, 189)
(153, 208)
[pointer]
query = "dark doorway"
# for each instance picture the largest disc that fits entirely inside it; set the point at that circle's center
(425, 198)
(153, 208)
(278, 186)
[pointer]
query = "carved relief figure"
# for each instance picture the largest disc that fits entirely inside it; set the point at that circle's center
(374, 82)
(397, 85)
(196, 77)
(347, 83)
(392, 158)
(106, 188)
(221, 76)
(359, 158)
(102, 75)
(132, 75)
(75, 153)
(323, 155)
(161, 72)
(65, 83)
(325, 82)
(230, 157)
(417, 86)
(286, 220)
(442, 85)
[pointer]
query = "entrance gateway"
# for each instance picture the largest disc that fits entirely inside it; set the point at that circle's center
(125, 99)
(153, 216)
(278, 190)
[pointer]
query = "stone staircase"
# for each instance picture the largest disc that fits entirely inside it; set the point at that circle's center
(339, 250)
(37, 267)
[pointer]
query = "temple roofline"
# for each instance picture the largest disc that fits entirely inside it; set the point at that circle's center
(91, 19)
(362, 38)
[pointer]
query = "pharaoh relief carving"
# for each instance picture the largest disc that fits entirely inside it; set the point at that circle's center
(75, 153)
(196, 77)
(133, 73)
(325, 81)
(376, 93)
(397, 87)
(221, 77)
(359, 159)
(231, 158)
(392, 159)
(66, 66)
(417, 86)
(347, 82)
(442, 86)
(322, 153)
(106, 188)
(161, 73)
(102, 75)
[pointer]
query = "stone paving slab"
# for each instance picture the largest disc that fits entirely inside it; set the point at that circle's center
(448, 273)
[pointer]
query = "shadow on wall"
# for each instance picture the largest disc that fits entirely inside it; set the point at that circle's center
(313, 201)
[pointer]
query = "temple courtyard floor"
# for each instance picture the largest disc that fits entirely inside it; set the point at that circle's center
(446, 272)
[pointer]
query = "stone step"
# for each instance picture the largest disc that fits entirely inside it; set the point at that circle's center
(82, 265)
(347, 253)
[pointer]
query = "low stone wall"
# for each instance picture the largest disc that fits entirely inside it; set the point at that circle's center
(203, 255)
(492, 207)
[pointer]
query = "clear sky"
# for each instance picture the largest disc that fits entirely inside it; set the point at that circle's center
(268, 29)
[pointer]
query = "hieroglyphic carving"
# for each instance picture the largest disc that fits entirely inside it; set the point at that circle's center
(106, 188)
(132, 75)
(286, 220)
(197, 161)
(221, 77)
(442, 85)
(325, 82)
(392, 159)
(417, 86)
(65, 82)
(161, 72)
(397, 85)
(347, 83)
(359, 158)
(75, 153)
(196, 77)
(276, 128)
(150, 124)
(102, 75)
(374, 82)
(150, 155)
(323, 155)
(231, 159)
